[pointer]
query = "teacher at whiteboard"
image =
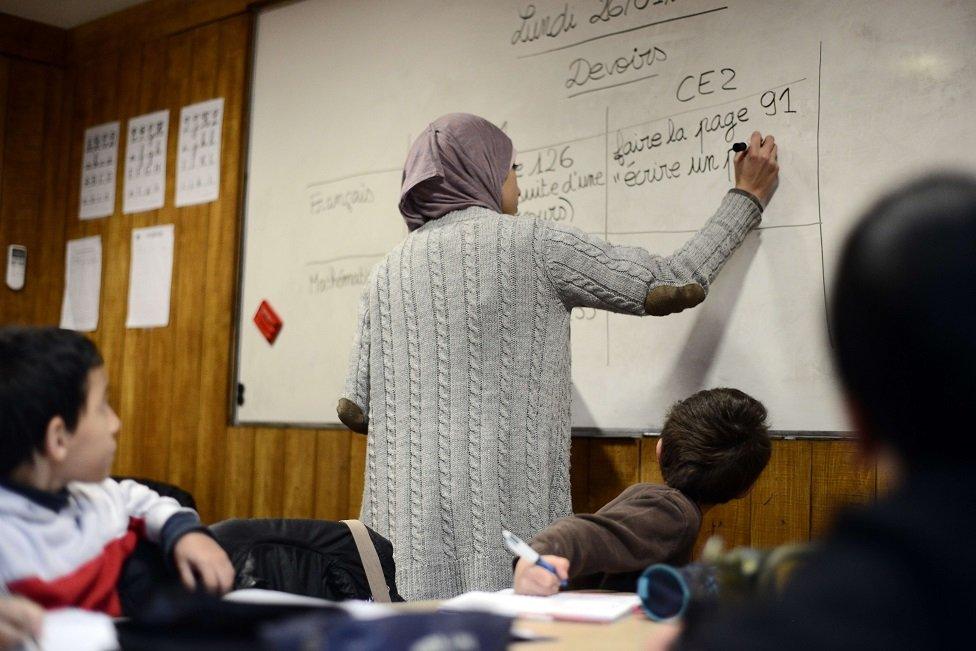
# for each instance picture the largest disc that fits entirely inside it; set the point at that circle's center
(460, 369)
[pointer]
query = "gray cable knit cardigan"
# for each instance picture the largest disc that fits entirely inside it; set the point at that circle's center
(462, 364)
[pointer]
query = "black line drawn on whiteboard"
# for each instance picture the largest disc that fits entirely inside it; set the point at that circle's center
(606, 206)
(622, 31)
(344, 257)
(622, 83)
(823, 272)
(352, 176)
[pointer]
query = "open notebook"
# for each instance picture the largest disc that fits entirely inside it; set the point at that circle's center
(571, 606)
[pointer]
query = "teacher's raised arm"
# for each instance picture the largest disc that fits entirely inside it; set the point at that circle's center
(460, 371)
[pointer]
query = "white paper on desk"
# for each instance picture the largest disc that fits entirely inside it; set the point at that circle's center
(198, 168)
(150, 276)
(355, 609)
(82, 284)
(145, 162)
(570, 606)
(98, 171)
(71, 629)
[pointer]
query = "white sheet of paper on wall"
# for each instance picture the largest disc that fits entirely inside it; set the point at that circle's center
(82, 284)
(98, 165)
(150, 277)
(198, 167)
(145, 162)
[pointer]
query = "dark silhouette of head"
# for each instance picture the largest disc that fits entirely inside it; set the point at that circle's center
(904, 320)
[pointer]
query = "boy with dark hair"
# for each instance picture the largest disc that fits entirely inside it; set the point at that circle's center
(897, 574)
(66, 529)
(713, 447)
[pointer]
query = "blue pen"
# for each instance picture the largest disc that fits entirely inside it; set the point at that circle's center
(520, 549)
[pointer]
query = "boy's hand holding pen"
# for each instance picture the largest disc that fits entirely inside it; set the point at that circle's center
(535, 574)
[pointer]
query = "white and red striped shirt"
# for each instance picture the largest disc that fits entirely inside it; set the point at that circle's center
(68, 548)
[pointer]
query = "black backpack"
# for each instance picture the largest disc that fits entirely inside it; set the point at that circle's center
(316, 558)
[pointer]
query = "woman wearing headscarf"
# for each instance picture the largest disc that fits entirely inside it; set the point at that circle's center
(460, 370)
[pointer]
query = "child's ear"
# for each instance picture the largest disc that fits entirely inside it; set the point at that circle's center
(56, 439)
(658, 447)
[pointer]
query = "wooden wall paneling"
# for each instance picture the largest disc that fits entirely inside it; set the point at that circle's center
(24, 135)
(236, 496)
(332, 461)
(269, 469)
(838, 479)
(49, 223)
(94, 88)
(147, 21)
(650, 469)
(157, 392)
(298, 474)
(164, 358)
(780, 500)
(33, 41)
(8, 299)
(191, 70)
(579, 474)
(199, 13)
(150, 357)
(357, 473)
(4, 80)
(53, 196)
(219, 283)
(25, 148)
(96, 100)
(6, 296)
(614, 465)
(103, 85)
(732, 521)
(126, 29)
(141, 384)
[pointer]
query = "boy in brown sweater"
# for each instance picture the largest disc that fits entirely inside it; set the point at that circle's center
(712, 449)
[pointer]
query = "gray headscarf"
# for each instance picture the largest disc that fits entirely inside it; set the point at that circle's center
(460, 160)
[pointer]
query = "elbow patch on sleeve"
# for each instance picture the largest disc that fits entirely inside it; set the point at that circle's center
(666, 299)
(352, 416)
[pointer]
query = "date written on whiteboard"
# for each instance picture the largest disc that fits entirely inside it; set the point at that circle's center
(630, 62)
(534, 25)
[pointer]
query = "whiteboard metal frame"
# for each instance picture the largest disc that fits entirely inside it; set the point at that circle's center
(255, 10)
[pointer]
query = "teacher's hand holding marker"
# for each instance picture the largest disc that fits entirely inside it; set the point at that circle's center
(757, 167)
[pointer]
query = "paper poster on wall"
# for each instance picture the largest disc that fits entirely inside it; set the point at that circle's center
(198, 168)
(98, 171)
(145, 162)
(150, 276)
(82, 284)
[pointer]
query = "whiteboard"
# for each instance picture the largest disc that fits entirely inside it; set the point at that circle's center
(622, 113)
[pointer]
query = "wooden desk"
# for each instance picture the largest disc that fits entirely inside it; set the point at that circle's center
(629, 632)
